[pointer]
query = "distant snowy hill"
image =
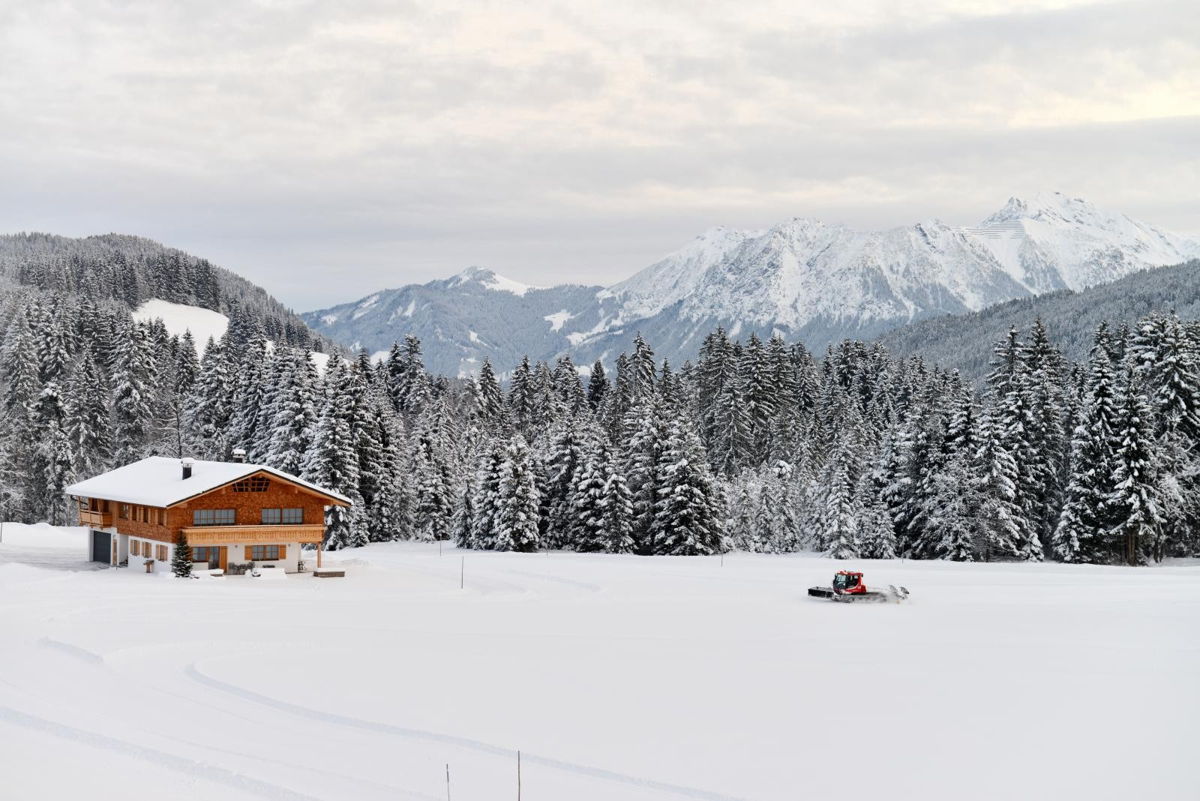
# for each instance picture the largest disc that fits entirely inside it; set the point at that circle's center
(804, 278)
(133, 271)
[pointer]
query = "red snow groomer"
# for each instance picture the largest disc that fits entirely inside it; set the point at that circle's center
(848, 586)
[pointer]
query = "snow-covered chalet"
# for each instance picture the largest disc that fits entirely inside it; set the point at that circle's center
(229, 512)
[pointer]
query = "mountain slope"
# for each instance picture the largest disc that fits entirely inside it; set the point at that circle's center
(464, 319)
(804, 278)
(964, 342)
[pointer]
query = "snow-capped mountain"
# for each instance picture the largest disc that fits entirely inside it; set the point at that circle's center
(807, 279)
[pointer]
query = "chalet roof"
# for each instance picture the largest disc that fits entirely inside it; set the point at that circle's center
(158, 481)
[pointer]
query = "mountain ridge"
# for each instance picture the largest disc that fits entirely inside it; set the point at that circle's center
(804, 278)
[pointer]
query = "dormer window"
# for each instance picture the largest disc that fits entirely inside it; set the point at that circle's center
(252, 484)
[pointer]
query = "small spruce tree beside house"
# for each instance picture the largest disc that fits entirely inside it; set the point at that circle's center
(181, 562)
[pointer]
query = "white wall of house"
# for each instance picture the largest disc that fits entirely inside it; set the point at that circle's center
(237, 555)
(289, 551)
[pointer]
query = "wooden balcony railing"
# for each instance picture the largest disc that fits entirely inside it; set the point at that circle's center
(250, 535)
(93, 519)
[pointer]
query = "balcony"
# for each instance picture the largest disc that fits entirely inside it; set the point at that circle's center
(254, 535)
(94, 519)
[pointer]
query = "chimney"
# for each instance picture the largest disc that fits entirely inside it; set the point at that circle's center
(187, 468)
(239, 455)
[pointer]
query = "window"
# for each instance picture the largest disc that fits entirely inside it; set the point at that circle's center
(135, 548)
(271, 517)
(123, 512)
(162, 517)
(213, 517)
(160, 553)
(204, 554)
(266, 553)
(253, 484)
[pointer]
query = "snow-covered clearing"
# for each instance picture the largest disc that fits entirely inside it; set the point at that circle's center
(178, 318)
(617, 677)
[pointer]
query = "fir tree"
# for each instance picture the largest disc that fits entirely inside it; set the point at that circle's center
(181, 560)
(687, 520)
(516, 520)
(1134, 500)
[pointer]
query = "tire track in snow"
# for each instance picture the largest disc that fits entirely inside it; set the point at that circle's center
(449, 739)
(583, 585)
(199, 770)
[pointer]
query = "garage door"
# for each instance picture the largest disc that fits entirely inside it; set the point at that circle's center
(102, 547)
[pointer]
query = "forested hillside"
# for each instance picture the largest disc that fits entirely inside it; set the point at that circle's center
(757, 446)
(131, 270)
(963, 341)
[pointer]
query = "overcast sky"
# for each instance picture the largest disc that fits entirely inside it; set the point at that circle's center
(327, 149)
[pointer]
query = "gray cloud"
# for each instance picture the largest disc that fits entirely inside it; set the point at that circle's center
(327, 151)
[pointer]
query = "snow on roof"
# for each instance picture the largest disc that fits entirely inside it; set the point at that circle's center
(159, 481)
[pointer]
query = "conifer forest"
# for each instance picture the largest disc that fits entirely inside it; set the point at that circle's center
(757, 446)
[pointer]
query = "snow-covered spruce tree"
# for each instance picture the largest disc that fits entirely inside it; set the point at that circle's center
(597, 386)
(761, 396)
(88, 418)
(587, 499)
(1013, 426)
(132, 381)
(642, 465)
(487, 496)
(516, 520)
(54, 351)
(688, 510)
(181, 560)
(618, 506)
(838, 514)
(295, 416)
(1137, 531)
(250, 391)
(731, 446)
(489, 400)
(407, 382)
(1086, 518)
(20, 366)
(876, 534)
(523, 413)
(433, 493)
(1167, 361)
(562, 474)
(390, 515)
(51, 459)
(776, 525)
(567, 386)
(206, 422)
(463, 531)
(642, 371)
(333, 462)
(742, 512)
(952, 512)
(1004, 530)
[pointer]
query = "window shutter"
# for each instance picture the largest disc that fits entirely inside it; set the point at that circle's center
(249, 552)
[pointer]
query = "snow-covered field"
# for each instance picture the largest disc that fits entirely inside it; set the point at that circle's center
(616, 677)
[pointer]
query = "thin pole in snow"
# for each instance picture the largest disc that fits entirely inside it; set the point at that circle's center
(722, 560)
(447, 781)
(439, 547)
(518, 776)
(462, 572)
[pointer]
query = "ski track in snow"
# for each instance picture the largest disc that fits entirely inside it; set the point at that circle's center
(194, 672)
(198, 770)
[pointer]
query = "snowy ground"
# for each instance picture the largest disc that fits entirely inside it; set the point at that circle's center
(617, 677)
